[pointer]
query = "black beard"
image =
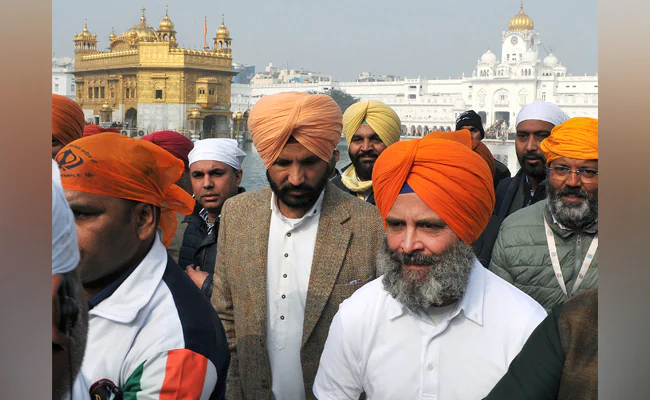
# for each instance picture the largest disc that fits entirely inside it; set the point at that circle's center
(537, 172)
(446, 280)
(303, 202)
(573, 216)
(363, 168)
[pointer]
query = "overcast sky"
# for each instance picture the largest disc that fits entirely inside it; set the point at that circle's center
(428, 38)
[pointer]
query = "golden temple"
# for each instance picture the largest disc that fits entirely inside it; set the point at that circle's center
(146, 80)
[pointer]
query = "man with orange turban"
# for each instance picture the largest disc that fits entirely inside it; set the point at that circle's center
(369, 127)
(276, 287)
(437, 323)
(147, 322)
(550, 249)
(67, 122)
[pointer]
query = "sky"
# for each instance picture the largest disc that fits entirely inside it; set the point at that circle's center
(407, 38)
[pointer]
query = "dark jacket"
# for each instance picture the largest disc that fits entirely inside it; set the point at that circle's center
(511, 195)
(501, 172)
(339, 184)
(199, 248)
(560, 358)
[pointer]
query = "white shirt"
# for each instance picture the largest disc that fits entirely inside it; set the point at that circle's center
(289, 257)
(379, 346)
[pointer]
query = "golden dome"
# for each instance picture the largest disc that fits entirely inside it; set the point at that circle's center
(223, 32)
(142, 32)
(521, 21)
(85, 34)
(112, 36)
(195, 113)
(166, 24)
(239, 115)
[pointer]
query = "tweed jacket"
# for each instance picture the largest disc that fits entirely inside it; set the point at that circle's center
(349, 235)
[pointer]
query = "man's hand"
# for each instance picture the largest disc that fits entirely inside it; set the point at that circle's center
(197, 276)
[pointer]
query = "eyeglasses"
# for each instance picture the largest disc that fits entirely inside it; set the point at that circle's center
(561, 173)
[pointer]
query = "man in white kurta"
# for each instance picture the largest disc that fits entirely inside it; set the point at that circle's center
(436, 325)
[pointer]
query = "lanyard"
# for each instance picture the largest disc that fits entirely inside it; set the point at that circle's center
(550, 239)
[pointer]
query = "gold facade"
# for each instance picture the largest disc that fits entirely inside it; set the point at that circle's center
(145, 66)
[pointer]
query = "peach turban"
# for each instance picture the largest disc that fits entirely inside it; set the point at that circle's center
(454, 181)
(114, 165)
(314, 120)
(67, 119)
(575, 138)
(381, 118)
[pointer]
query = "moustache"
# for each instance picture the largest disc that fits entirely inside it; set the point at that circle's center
(534, 157)
(367, 154)
(302, 187)
(414, 258)
(570, 191)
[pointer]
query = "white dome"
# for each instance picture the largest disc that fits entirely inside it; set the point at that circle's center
(550, 60)
(559, 68)
(529, 56)
(489, 58)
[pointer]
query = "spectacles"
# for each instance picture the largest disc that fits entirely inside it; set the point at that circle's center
(561, 173)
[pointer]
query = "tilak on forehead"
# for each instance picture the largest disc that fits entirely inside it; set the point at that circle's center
(114, 165)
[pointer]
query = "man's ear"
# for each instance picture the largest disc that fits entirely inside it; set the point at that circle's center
(238, 176)
(145, 220)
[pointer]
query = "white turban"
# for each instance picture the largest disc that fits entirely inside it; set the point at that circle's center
(542, 111)
(220, 150)
(65, 248)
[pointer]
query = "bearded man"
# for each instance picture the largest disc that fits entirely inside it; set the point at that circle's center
(288, 255)
(550, 249)
(436, 324)
(369, 128)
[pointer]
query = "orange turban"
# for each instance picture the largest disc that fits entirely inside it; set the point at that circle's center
(445, 173)
(314, 120)
(575, 138)
(114, 165)
(67, 119)
(478, 146)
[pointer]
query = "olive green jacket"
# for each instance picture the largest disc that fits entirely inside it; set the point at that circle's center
(521, 255)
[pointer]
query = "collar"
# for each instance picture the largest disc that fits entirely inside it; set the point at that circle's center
(471, 304)
(312, 212)
(136, 290)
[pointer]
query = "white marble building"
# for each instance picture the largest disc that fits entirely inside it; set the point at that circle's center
(498, 88)
(62, 78)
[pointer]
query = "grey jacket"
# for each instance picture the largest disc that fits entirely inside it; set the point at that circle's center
(521, 255)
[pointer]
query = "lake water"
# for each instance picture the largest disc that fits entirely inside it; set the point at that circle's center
(255, 173)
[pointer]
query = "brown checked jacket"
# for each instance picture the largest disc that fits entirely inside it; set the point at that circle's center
(350, 233)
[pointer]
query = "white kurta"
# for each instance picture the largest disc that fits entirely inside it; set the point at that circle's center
(379, 346)
(290, 254)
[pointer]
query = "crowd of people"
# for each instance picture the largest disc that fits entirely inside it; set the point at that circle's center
(421, 270)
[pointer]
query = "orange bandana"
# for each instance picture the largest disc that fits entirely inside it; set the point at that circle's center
(445, 173)
(314, 120)
(114, 165)
(576, 138)
(67, 119)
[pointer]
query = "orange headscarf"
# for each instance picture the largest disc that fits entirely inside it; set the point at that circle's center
(67, 119)
(576, 138)
(114, 165)
(314, 120)
(445, 173)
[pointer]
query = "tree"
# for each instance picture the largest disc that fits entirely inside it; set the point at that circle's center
(341, 97)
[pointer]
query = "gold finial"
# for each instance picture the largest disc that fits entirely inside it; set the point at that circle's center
(166, 10)
(86, 23)
(522, 4)
(143, 19)
(223, 19)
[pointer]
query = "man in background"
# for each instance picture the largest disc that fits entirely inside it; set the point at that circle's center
(369, 127)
